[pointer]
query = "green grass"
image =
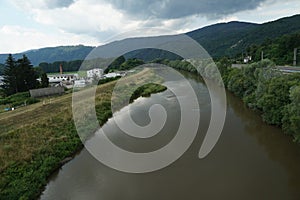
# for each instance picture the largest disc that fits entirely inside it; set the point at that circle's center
(17, 100)
(35, 139)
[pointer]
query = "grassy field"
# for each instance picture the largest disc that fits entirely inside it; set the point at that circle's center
(36, 138)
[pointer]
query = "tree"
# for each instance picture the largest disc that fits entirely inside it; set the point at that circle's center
(291, 119)
(44, 80)
(1, 69)
(130, 64)
(10, 80)
(19, 76)
(115, 64)
(26, 76)
(236, 82)
(276, 97)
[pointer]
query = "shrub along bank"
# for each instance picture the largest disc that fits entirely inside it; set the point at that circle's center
(261, 86)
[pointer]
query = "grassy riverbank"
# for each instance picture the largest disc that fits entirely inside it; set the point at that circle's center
(35, 139)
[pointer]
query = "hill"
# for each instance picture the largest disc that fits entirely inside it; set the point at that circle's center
(279, 50)
(229, 39)
(223, 39)
(52, 54)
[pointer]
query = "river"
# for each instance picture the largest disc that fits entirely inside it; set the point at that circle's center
(250, 161)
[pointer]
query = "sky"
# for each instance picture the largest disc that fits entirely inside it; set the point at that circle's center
(33, 24)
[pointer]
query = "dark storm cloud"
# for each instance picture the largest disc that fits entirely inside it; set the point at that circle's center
(172, 9)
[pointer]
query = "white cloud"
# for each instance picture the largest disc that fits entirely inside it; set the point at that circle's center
(98, 19)
(18, 39)
(270, 10)
(95, 21)
(42, 4)
(88, 17)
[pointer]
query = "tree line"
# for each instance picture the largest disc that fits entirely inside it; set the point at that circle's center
(261, 86)
(276, 96)
(20, 76)
(70, 66)
(121, 63)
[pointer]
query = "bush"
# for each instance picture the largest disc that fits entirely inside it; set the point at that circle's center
(18, 99)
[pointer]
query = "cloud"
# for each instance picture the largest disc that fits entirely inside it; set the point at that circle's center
(102, 19)
(58, 3)
(86, 17)
(42, 4)
(18, 39)
(98, 20)
(95, 18)
(173, 9)
(106, 17)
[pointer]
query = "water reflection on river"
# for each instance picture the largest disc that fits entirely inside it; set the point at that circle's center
(250, 161)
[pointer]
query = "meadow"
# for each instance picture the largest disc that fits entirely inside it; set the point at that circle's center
(36, 139)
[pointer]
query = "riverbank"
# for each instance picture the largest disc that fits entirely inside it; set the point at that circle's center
(36, 140)
(271, 92)
(248, 150)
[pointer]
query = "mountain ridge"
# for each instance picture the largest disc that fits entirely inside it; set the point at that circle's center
(222, 39)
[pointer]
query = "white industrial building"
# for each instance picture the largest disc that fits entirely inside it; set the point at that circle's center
(94, 72)
(112, 75)
(58, 78)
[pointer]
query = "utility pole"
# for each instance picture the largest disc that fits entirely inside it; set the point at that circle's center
(295, 57)
(262, 55)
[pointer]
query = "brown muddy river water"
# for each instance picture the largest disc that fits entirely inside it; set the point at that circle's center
(250, 161)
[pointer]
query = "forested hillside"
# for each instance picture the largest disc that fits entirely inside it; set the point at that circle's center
(224, 39)
(52, 54)
(280, 50)
(229, 39)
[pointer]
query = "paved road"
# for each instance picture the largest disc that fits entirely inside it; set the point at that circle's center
(285, 69)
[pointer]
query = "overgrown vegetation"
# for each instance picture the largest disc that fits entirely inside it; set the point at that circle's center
(18, 99)
(35, 139)
(106, 80)
(122, 64)
(264, 88)
(146, 90)
(261, 86)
